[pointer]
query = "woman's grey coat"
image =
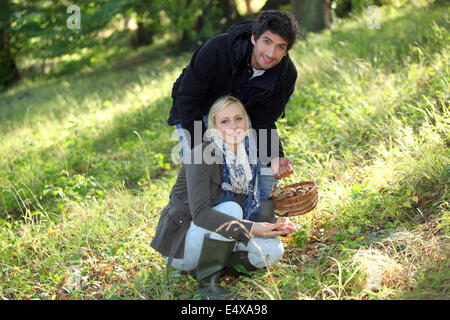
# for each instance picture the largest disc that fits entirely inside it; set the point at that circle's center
(197, 189)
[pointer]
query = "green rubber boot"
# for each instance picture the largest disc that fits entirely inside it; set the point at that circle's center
(238, 258)
(213, 259)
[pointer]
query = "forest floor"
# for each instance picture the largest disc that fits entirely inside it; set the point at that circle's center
(86, 168)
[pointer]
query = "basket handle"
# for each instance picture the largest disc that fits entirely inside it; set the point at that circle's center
(314, 180)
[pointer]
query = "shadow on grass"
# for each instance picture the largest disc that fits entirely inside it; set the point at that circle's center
(132, 150)
(74, 90)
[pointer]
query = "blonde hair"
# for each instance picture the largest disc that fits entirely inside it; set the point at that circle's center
(220, 104)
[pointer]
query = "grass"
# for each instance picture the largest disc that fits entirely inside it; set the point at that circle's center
(85, 170)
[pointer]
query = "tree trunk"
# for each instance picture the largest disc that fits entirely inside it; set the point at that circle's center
(8, 68)
(248, 4)
(312, 15)
(201, 20)
(229, 10)
(144, 35)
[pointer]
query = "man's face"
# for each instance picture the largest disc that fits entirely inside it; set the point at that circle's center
(268, 50)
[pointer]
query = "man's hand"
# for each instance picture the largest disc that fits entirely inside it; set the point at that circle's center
(281, 167)
(268, 230)
(286, 225)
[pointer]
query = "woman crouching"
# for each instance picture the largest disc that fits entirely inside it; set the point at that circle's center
(215, 219)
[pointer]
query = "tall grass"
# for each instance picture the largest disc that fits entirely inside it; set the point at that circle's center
(85, 169)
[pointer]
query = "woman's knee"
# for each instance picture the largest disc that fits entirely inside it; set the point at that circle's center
(230, 208)
(266, 251)
(275, 250)
(278, 251)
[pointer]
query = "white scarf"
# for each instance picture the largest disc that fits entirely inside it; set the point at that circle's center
(238, 165)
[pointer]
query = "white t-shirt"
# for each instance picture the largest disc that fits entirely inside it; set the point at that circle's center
(257, 73)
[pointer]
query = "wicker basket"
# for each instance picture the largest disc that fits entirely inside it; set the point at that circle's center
(296, 204)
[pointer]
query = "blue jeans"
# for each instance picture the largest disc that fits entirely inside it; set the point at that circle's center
(261, 251)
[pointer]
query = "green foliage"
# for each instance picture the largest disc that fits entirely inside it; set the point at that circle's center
(38, 33)
(40, 27)
(343, 8)
(71, 188)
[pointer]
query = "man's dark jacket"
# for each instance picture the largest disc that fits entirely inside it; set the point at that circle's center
(214, 71)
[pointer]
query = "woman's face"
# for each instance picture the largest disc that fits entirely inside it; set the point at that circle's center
(231, 124)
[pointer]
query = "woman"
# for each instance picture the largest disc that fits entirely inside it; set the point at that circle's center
(215, 219)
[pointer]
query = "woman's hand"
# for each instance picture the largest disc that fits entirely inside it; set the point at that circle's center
(268, 230)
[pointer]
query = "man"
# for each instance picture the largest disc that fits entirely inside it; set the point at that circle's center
(250, 62)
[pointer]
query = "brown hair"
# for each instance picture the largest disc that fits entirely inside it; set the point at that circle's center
(280, 22)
